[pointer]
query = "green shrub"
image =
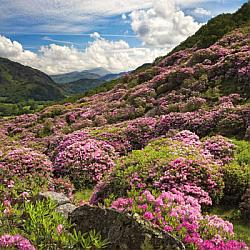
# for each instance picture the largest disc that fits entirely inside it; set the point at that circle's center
(45, 228)
(242, 154)
(237, 179)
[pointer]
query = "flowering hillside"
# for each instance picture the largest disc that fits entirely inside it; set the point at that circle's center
(168, 142)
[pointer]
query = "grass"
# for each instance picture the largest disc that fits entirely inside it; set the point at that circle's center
(83, 195)
(241, 228)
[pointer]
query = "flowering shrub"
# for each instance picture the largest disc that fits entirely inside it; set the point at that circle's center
(221, 148)
(25, 161)
(231, 125)
(114, 136)
(194, 177)
(181, 215)
(85, 162)
(188, 138)
(17, 241)
(163, 165)
(140, 131)
(62, 185)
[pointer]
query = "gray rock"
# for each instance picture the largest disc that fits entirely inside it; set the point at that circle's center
(245, 205)
(247, 135)
(123, 231)
(66, 209)
(59, 198)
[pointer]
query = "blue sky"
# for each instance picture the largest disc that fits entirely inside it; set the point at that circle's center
(56, 36)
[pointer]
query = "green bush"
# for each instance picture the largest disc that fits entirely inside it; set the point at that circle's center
(237, 179)
(147, 168)
(47, 229)
(242, 154)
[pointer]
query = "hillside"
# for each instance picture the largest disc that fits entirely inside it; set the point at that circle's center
(167, 145)
(21, 83)
(81, 86)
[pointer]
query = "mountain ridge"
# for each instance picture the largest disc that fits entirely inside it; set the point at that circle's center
(19, 82)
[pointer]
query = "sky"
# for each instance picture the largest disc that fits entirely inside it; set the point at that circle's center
(60, 36)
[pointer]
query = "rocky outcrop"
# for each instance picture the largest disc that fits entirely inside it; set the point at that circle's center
(247, 135)
(62, 201)
(245, 205)
(123, 231)
(58, 198)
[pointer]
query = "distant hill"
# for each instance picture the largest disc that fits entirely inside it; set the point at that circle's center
(21, 83)
(80, 82)
(81, 86)
(111, 77)
(96, 73)
(99, 71)
(74, 76)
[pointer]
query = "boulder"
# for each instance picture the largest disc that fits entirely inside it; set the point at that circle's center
(58, 198)
(245, 205)
(123, 231)
(66, 209)
(247, 135)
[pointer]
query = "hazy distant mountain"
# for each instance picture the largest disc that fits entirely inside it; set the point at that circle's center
(99, 71)
(111, 77)
(79, 82)
(74, 76)
(81, 86)
(96, 73)
(19, 82)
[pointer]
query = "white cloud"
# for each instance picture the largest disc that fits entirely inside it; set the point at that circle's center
(14, 51)
(47, 38)
(163, 24)
(124, 17)
(202, 12)
(115, 56)
(71, 16)
(95, 35)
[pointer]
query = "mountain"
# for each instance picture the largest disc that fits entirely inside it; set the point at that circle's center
(80, 82)
(110, 77)
(81, 86)
(99, 71)
(74, 76)
(19, 82)
(96, 73)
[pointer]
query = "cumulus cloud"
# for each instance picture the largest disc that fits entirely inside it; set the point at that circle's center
(202, 12)
(115, 56)
(95, 35)
(124, 17)
(163, 24)
(14, 51)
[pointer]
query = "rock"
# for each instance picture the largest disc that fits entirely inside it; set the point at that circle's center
(247, 135)
(245, 205)
(59, 198)
(66, 209)
(123, 231)
(152, 112)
